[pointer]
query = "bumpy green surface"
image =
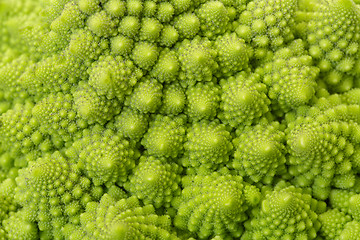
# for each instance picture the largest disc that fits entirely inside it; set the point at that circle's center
(123, 219)
(259, 152)
(207, 143)
(180, 119)
(214, 205)
(286, 213)
(155, 181)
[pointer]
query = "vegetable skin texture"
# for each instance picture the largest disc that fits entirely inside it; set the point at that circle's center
(179, 119)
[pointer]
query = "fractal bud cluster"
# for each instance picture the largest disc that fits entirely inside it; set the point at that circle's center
(180, 119)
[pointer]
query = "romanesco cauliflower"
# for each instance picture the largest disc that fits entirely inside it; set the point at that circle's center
(180, 119)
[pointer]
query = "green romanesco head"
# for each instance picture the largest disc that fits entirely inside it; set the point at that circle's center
(179, 119)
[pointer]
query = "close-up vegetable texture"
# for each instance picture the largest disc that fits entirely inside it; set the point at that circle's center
(180, 119)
